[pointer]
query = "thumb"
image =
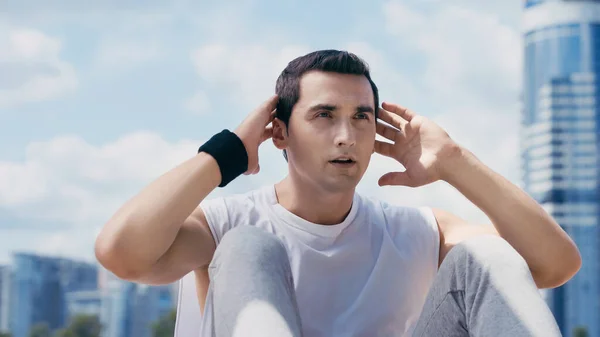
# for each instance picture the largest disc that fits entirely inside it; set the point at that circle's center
(395, 178)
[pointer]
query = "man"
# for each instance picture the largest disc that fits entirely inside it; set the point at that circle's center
(309, 256)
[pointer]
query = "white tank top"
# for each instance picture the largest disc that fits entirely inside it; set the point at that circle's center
(367, 276)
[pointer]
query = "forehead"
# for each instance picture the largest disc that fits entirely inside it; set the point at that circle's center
(319, 87)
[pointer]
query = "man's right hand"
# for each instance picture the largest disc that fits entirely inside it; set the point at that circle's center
(255, 129)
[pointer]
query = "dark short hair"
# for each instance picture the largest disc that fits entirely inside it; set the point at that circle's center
(330, 60)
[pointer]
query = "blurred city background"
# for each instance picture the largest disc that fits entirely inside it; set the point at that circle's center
(98, 99)
(46, 296)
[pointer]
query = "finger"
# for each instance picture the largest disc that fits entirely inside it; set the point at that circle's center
(384, 148)
(392, 118)
(399, 110)
(267, 133)
(257, 169)
(387, 131)
(396, 178)
(269, 105)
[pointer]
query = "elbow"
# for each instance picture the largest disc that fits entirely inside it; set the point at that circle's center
(573, 266)
(112, 259)
(561, 272)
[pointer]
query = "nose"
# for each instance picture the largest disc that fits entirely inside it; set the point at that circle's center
(345, 135)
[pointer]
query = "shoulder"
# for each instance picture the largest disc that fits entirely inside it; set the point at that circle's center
(228, 211)
(238, 201)
(399, 216)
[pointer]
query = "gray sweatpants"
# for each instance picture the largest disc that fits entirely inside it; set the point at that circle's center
(483, 288)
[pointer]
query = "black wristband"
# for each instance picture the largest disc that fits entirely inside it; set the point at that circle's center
(229, 152)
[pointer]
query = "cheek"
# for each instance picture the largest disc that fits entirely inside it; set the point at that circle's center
(367, 138)
(307, 146)
(310, 135)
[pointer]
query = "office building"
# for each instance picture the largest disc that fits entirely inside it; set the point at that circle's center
(130, 309)
(85, 302)
(39, 289)
(152, 303)
(560, 142)
(117, 306)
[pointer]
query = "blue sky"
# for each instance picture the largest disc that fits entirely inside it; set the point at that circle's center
(97, 100)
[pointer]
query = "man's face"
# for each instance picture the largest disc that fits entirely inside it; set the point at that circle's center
(332, 121)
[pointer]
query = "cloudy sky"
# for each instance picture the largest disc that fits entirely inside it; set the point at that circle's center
(97, 100)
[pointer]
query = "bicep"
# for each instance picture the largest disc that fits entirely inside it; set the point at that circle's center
(453, 230)
(192, 249)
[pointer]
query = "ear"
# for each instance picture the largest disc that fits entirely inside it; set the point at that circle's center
(280, 134)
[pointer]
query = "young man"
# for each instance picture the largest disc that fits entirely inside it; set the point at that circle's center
(309, 256)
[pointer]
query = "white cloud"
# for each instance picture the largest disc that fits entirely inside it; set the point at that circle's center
(71, 181)
(21, 183)
(472, 62)
(31, 67)
(249, 72)
(471, 56)
(389, 80)
(473, 70)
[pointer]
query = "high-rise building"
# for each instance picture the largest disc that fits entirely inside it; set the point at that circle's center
(560, 140)
(130, 309)
(39, 289)
(84, 302)
(5, 298)
(117, 305)
(152, 303)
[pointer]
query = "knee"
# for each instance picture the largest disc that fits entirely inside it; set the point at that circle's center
(487, 251)
(250, 245)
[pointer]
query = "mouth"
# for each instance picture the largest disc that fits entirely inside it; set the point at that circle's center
(343, 162)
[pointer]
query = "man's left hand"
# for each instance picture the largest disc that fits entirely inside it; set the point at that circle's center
(420, 145)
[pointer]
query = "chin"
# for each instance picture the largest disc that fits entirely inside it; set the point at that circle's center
(340, 185)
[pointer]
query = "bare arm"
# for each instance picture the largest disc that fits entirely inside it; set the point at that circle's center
(161, 234)
(429, 154)
(156, 228)
(549, 251)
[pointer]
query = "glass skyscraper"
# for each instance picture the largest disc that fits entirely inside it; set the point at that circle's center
(560, 140)
(130, 309)
(39, 289)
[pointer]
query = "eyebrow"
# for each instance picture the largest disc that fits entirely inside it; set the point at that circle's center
(329, 107)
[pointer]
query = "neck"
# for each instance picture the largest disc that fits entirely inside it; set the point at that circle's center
(313, 204)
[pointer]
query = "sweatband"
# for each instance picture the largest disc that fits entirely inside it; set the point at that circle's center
(229, 152)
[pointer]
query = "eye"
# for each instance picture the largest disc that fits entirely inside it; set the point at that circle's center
(324, 114)
(362, 115)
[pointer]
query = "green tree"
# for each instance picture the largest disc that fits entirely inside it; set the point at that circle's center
(580, 331)
(165, 326)
(40, 330)
(81, 326)
(5, 334)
